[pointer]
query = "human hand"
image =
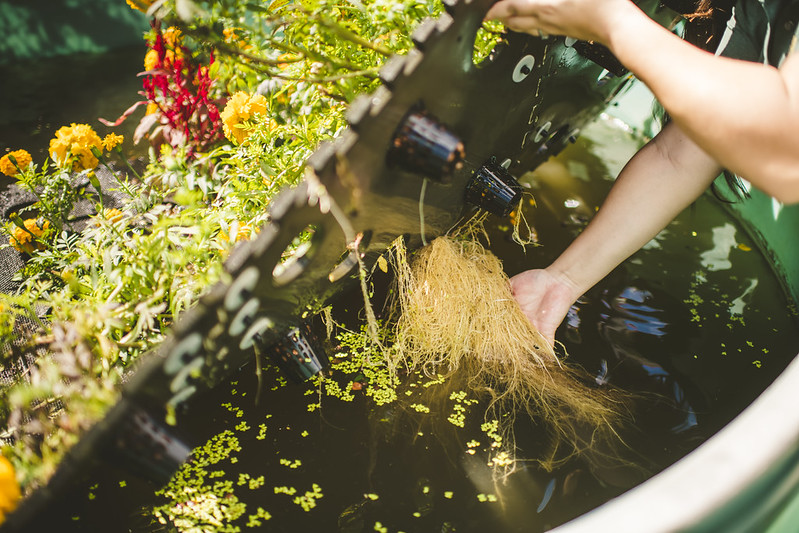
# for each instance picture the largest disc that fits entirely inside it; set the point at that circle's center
(544, 298)
(588, 20)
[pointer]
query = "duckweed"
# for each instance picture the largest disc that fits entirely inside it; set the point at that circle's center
(291, 464)
(197, 505)
(308, 500)
(255, 520)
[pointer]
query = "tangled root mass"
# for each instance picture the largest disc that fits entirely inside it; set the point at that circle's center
(456, 313)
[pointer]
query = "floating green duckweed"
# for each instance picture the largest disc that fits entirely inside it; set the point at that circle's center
(419, 408)
(291, 464)
(255, 520)
(197, 505)
(501, 460)
(491, 429)
(308, 500)
(251, 482)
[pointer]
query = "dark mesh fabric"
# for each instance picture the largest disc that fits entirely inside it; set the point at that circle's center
(12, 200)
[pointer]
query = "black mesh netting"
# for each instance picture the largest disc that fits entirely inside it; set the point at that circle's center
(13, 349)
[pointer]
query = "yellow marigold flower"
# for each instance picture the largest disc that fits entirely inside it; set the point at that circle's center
(22, 158)
(112, 140)
(73, 144)
(9, 488)
(150, 59)
(240, 108)
(237, 232)
(23, 239)
(141, 5)
(113, 214)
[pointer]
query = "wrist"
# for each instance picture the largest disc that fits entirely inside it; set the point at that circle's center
(623, 26)
(570, 288)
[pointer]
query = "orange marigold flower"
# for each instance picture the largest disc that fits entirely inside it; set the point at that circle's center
(73, 145)
(172, 39)
(112, 140)
(9, 488)
(22, 158)
(23, 239)
(240, 108)
(172, 36)
(232, 38)
(230, 34)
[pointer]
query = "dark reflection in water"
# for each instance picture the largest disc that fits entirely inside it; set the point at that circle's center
(695, 343)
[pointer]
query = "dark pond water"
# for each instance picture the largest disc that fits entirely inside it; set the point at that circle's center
(696, 322)
(41, 96)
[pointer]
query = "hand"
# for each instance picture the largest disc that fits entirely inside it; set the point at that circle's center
(545, 298)
(588, 20)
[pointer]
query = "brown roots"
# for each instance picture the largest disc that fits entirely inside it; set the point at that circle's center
(456, 313)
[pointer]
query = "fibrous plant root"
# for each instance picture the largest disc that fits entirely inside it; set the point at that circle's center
(456, 313)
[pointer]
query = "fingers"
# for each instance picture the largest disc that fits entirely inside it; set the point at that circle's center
(529, 25)
(505, 9)
(517, 15)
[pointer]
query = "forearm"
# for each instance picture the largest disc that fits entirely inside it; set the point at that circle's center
(743, 114)
(657, 184)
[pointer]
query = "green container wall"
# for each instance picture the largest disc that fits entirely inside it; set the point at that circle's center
(775, 227)
(34, 29)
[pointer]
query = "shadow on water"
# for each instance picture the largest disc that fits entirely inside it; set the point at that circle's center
(681, 324)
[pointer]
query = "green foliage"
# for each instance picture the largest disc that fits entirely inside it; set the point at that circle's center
(91, 302)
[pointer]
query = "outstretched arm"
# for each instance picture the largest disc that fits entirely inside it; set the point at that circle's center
(743, 114)
(661, 180)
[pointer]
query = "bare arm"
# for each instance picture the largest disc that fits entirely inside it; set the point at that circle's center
(661, 180)
(745, 115)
